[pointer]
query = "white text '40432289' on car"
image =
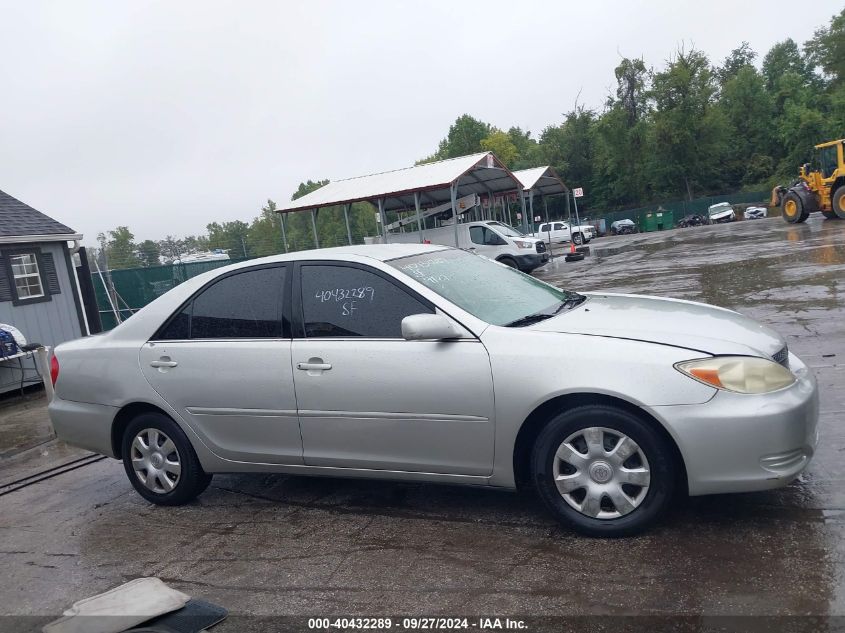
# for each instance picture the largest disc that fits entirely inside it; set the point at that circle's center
(427, 363)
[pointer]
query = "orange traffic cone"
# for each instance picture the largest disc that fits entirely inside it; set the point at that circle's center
(574, 255)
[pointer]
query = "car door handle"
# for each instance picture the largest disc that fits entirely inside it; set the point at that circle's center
(314, 366)
(163, 363)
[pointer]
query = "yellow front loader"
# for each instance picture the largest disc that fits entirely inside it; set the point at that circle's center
(820, 187)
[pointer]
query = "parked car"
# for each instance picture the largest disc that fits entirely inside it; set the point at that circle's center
(424, 363)
(721, 212)
(691, 220)
(623, 227)
(492, 239)
(755, 213)
(560, 232)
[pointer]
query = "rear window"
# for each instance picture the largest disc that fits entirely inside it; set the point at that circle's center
(243, 305)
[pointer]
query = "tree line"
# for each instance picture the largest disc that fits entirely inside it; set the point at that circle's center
(690, 128)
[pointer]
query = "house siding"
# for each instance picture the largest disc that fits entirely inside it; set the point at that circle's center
(47, 322)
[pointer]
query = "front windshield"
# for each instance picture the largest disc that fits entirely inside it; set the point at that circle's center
(506, 229)
(718, 208)
(486, 289)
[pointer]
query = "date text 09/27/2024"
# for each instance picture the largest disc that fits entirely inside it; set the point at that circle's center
(416, 623)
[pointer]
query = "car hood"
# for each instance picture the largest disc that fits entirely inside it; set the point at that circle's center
(687, 324)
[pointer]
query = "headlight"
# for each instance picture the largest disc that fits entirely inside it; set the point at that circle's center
(522, 244)
(742, 374)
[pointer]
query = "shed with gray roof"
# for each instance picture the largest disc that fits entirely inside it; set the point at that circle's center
(39, 289)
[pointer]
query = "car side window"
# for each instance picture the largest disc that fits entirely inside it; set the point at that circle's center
(476, 234)
(344, 301)
(491, 238)
(558, 227)
(544, 228)
(243, 305)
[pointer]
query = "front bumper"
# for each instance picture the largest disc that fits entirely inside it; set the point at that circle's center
(742, 443)
(531, 261)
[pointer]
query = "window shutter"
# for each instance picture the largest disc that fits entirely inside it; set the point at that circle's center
(5, 282)
(49, 275)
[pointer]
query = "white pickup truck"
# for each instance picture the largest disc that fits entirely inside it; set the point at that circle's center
(561, 231)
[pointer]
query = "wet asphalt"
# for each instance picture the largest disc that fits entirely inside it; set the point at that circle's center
(273, 545)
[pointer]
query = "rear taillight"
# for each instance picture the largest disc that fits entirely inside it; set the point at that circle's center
(54, 369)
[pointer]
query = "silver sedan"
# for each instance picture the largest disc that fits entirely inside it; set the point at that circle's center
(425, 363)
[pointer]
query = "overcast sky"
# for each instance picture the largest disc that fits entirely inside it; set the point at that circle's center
(165, 116)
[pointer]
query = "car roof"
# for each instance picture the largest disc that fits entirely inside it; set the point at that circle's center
(380, 252)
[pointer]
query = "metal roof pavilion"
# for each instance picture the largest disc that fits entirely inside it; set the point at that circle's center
(422, 186)
(478, 173)
(542, 180)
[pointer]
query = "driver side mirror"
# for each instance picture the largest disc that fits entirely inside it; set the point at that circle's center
(422, 327)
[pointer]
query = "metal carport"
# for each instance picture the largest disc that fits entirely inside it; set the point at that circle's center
(413, 189)
(542, 181)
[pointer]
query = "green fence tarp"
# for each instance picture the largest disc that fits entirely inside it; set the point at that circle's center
(681, 208)
(136, 287)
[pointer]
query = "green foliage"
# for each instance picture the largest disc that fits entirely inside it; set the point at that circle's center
(827, 49)
(749, 110)
(464, 137)
(739, 58)
(502, 146)
(784, 57)
(568, 147)
(149, 253)
(620, 162)
(689, 135)
(119, 248)
(231, 237)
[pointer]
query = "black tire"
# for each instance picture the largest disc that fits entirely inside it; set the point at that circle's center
(192, 480)
(508, 261)
(838, 203)
(658, 460)
(830, 215)
(792, 208)
(577, 239)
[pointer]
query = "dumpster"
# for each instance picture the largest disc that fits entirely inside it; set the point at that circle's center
(658, 220)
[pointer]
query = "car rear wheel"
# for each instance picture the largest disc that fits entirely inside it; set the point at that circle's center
(603, 471)
(160, 462)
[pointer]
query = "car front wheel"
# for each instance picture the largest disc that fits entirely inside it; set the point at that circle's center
(603, 471)
(160, 461)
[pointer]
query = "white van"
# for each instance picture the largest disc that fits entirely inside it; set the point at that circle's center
(492, 239)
